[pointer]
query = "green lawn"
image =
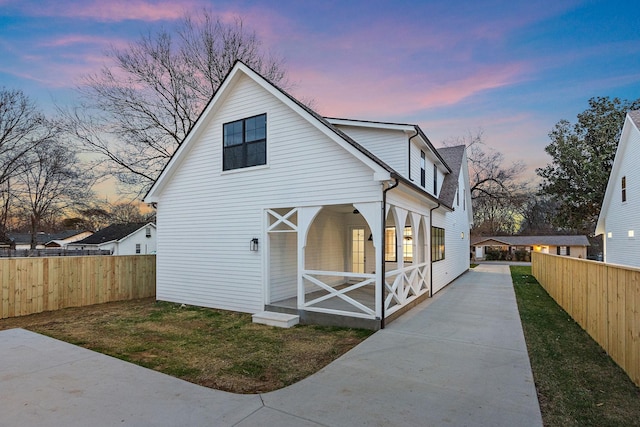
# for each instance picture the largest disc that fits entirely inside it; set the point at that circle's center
(577, 382)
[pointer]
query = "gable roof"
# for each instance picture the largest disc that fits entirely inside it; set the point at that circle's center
(312, 117)
(384, 171)
(558, 240)
(631, 124)
(113, 233)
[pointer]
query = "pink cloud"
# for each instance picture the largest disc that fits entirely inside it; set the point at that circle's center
(488, 78)
(75, 39)
(115, 10)
(364, 92)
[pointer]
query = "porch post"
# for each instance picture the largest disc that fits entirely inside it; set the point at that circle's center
(305, 219)
(371, 212)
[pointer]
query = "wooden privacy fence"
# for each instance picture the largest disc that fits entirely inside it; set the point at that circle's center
(603, 298)
(33, 285)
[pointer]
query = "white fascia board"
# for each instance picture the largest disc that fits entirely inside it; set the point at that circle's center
(382, 176)
(375, 125)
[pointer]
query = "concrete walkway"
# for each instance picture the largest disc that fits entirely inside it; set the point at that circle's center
(458, 359)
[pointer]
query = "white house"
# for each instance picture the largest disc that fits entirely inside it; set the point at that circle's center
(121, 239)
(619, 219)
(268, 205)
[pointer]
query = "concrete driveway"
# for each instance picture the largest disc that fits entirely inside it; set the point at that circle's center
(459, 359)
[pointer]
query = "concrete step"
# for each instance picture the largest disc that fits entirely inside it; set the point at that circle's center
(281, 320)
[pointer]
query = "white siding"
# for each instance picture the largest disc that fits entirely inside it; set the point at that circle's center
(388, 145)
(415, 164)
(457, 243)
(624, 216)
(206, 218)
(283, 265)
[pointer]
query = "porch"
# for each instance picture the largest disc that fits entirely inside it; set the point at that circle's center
(325, 263)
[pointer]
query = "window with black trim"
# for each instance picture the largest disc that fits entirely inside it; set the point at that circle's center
(245, 143)
(624, 188)
(390, 252)
(435, 180)
(437, 244)
(137, 248)
(423, 167)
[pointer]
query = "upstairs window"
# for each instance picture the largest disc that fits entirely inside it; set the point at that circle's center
(137, 248)
(624, 188)
(435, 180)
(423, 166)
(245, 143)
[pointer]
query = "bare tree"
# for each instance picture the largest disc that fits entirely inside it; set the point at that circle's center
(22, 128)
(496, 191)
(138, 109)
(48, 182)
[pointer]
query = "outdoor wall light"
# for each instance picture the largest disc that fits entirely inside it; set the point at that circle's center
(253, 245)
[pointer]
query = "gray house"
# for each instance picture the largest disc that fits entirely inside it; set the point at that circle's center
(573, 246)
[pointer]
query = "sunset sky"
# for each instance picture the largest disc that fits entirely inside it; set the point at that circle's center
(511, 68)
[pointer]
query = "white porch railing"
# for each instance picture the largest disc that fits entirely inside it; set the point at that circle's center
(404, 285)
(341, 292)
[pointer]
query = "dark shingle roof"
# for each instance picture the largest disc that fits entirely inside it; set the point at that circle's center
(111, 233)
(562, 240)
(453, 157)
(635, 116)
(42, 238)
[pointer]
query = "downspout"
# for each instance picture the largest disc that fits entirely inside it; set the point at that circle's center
(431, 250)
(382, 264)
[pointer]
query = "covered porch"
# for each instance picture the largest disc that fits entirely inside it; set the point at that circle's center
(327, 263)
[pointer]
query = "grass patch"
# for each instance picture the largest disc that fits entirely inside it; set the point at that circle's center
(578, 384)
(214, 348)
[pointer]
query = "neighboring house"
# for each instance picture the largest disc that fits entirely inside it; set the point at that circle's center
(48, 240)
(619, 219)
(513, 246)
(61, 241)
(121, 239)
(266, 204)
